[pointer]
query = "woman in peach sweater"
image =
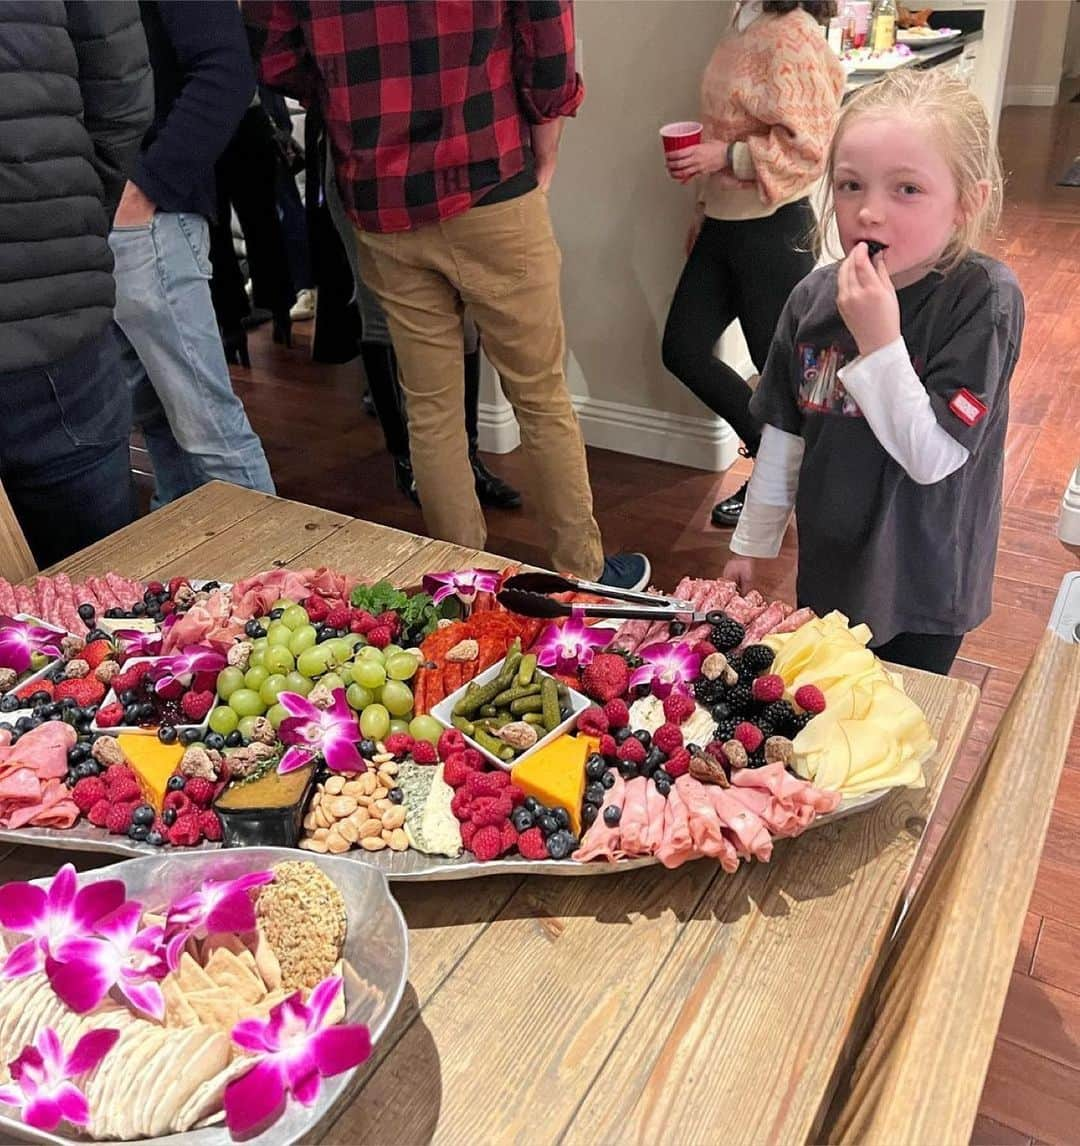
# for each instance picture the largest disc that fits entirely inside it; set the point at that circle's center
(770, 97)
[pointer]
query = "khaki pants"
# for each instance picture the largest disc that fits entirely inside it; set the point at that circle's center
(504, 263)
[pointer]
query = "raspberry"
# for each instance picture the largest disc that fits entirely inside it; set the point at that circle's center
(668, 737)
(514, 794)
(617, 713)
(456, 771)
(767, 689)
(168, 607)
(210, 825)
(391, 620)
(161, 828)
(155, 587)
(678, 763)
(489, 810)
(468, 830)
(174, 690)
(200, 791)
(531, 845)
(28, 690)
(605, 677)
(317, 609)
(99, 813)
(810, 699)
(362, 622)
(124, 791)
(131, 678)
(115, 773)
(178, 802)
(608, 747)
(705, 649)
(175, 583)
(715, 749)
(509, 836)
(460, 804)
(678, 706)
(451, 741)
(339, 617)
(749, 736)
(487, 843)
(487, 783)
(593, 722)
(473, 759)
(424, 753)
(195, 705)
(186, 831)
(96, 652)
(110, 716)
(119, 818)
(87, 792)
(631, 750)
(380, 637)
(399, 744)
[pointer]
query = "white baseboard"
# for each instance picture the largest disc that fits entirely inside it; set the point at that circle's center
(1031, 95)
(1069, 522)
(497, 428)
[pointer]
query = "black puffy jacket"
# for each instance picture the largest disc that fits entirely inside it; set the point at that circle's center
(76, 95)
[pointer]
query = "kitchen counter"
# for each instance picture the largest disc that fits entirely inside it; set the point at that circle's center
(920, 58)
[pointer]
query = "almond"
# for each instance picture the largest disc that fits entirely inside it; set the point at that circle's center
(393, 817)
(369, 830)
(373, 843)
(335, 784)
(399, 841)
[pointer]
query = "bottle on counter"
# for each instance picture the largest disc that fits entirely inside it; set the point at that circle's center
(883, 36)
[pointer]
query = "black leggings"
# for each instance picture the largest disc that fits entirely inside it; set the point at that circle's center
(934, 652)
(743, 269)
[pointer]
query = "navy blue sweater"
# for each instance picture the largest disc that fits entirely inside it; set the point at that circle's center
(204, 79)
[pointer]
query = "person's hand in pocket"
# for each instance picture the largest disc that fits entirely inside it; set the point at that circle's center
(135, 209)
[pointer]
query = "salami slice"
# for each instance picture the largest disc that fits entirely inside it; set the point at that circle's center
(24, 600)
(764, 623)
(794, 621)
(7, 598)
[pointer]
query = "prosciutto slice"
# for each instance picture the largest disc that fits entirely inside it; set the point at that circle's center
(32, 789)
(794, 621)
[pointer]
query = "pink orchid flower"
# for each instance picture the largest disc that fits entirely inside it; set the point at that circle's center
(295, 1051)
(564, 647)
(332, 733)
(82, 971)
(461, 583)
(182, 667)
(666, 665)
(19, 640)
(136, 644)
(41, 1076)
(52, 917)
(218, 905)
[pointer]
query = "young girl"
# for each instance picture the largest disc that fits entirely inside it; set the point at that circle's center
(886, 393)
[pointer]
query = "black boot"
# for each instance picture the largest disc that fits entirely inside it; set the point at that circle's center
(380, 366)
(490, 488)
(404, 480)
(726, 513)
(234, 343)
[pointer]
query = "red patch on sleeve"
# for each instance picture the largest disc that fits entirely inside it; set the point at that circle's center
(967, 407)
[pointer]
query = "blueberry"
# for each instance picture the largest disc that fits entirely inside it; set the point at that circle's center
(76, 753)
(128, 696)
(622, 734)
(595, 766)
(368, 748)
(676, 628)
(9, 702)
(24, 724)
(721, 711)
(533, 804)
(146, 713)
(86, 768)
(643, 689)
(149, 598)
(49, 710)
(7, 726)
(522, 819)
(168, 817)
(234, 739)
(210, 586)
(612, 815)
(627, 769)
(589, 812)
(138, 831)
(114, 613)
(167, 734)
(155, 838)
(396, 796)
(138, 609)
(561, 844)
(608, 779)
(655, 758)
(40, 697)
(562, 818)
(82, 725)
(189, 735)
(547, 823)
(253, 629)
(97, 635)
(663, 786)
(68, 702)
(594, 793)
(693, 749)
(176, 784)
(143, 814)
(644, 737)
(86, 611)
(275, 614)
(215, 740)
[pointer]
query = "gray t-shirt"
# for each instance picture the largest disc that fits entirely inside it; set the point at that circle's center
(873, 543)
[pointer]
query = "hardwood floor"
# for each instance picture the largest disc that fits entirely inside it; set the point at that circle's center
(324, 450)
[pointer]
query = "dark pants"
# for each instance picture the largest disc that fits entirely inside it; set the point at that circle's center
(934, 652)
(64, 452)
(741, 270)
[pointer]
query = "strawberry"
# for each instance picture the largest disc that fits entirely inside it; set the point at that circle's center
(605, 677)
(85, 690)
(96, 652)
(28, 690)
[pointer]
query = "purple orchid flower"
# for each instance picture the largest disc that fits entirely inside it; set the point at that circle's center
(461, 583)
(136, 644)
(41, 1078)
(19, 640)
(666, 665)
(296, 1050)
(332, 733)
(564, 647)
(52, 917)
(182, 667)
(218, 905)
(82, 971)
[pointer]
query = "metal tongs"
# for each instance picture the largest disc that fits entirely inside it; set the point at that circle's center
(528, 594)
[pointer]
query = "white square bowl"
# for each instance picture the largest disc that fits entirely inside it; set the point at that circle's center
(149, 730)
(443, 712)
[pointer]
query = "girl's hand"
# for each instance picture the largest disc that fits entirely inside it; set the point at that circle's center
(867, 301)
(741, 570)
(702, 159)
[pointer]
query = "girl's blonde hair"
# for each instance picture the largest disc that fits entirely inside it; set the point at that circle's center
(958, 122)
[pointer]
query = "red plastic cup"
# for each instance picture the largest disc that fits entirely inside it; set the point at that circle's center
(675, 136)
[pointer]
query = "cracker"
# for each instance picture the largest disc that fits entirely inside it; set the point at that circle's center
(228, 971)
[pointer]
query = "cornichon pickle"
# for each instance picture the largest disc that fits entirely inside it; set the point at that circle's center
(527, 704)
(526, 670)
(549, 698)
(516, 693)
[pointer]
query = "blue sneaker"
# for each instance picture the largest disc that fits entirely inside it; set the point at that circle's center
(630, 571)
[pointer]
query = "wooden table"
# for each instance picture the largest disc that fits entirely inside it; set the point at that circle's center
(683, 1006)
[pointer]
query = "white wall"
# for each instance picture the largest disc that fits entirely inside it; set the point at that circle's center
(1037, 51)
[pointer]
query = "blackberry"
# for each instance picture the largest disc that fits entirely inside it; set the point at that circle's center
(725, 730)
(766, 727)
(727, 634)
(799, 721)
(708, 692)
(739, 699)
(758, 657)
(747, 675)
(721, 711)
(757, 758)
(780, 715)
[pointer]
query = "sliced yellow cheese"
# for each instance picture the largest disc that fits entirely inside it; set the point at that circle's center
(555, 775)
(152, 761)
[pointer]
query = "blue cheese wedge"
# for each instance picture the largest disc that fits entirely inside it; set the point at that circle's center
(430, 825)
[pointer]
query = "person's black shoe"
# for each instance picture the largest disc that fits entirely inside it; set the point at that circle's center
(630, 571)
(491, 489)
(369, 404)
(404, 480)
(726, 513)
(234, 343)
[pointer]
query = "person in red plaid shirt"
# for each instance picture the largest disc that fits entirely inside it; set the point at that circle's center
(443, 119)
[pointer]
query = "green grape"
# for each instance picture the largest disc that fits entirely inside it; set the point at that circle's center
(369, 673)
(425, 728)
(358, 697)
(401, 666)
(257, 658)
(375, 722)
(391, 651)
(279, 659)
(397, 697)
(228, 681)
(259, 643)
(282, 603)
(370, 652)
(255, 677)
(246, 702)
(302, 638)
(293, 617)
(271, 687)
(340, 648)
(398, 726)
(311, 662)
(38, 660)
(247, 727)
(276, 714)
(332, 680)
(278, 634)
(297, 682)
(223, 720)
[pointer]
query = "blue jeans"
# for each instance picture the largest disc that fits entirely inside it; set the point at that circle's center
(196, 428)
(64, 450)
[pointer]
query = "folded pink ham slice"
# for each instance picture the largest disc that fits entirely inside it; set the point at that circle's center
(42, 749)
(706, 830)
(794, 621)
(677, 845)
(634, 824)
(19, 784)
(747, 831)
(790, 790)
(601, 841)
